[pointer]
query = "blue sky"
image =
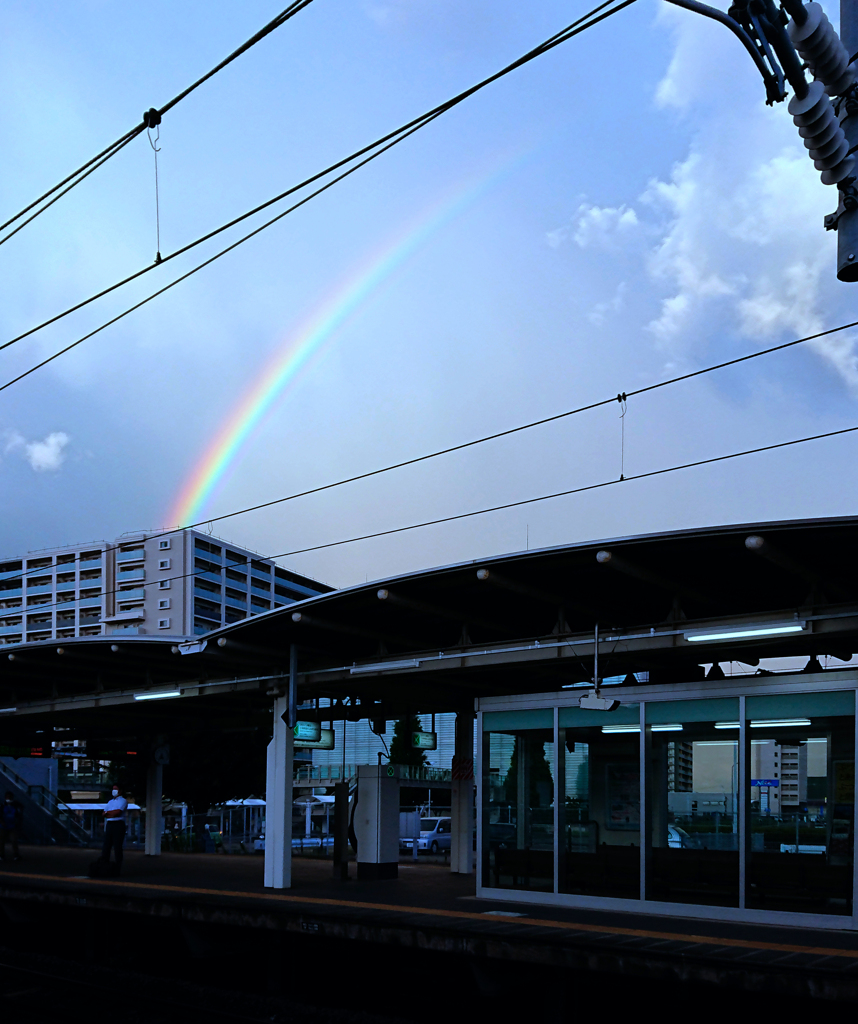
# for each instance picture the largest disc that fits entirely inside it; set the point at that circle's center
(663, 218)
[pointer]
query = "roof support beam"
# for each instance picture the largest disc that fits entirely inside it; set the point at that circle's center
(336, 627)
(532, 593)
(390, 598)
(623, 565)
(765, 549)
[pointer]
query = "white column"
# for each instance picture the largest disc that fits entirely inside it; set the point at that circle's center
(462, 796)
(278, 802)
(154, 788)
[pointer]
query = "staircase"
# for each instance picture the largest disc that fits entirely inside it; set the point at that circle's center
(46, 818)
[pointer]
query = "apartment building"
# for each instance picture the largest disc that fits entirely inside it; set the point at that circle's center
(183, 584)
(785, 764)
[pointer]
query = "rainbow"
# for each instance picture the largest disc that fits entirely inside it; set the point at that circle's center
(306, 342)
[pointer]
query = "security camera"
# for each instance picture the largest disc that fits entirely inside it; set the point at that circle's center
(595, 702)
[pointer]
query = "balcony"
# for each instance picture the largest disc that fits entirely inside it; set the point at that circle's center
(9, 630)
(131, 556)
(137, 615)
(210, 576)
(126, 630)
(90, 602)
(6, 595)
(137, 594)
(131, 574)
(234, 602)
(42, 588)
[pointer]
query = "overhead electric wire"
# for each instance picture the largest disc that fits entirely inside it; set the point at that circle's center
(92, 164)
(476, 441)
(496, 508)
(380, 145)
(567, 493)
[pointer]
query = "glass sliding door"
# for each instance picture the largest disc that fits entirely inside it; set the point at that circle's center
(692, 769)
(802, 802)
(599, 803)
(518, 800)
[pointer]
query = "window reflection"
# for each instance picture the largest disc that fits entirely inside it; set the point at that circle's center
(693, 787)
(518, 826)
(599, 764)
(801, 802)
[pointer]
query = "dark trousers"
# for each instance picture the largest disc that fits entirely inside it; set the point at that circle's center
(114, 837)
(7, 834)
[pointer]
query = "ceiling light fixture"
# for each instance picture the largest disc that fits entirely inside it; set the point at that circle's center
(748, 633)
(779, 723)
(158, 696)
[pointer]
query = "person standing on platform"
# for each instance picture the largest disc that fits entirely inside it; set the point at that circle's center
(114, 827)
(11, 816)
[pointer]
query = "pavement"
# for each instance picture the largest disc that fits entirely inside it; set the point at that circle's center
(430, 907)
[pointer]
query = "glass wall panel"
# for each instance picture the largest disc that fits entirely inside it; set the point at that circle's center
(518, 800)
(802, 802)
(598, 770)
(692, 782)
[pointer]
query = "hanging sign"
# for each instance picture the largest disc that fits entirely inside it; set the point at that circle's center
(764, 782)
(424, 740)
(324, 742)
(311, 731)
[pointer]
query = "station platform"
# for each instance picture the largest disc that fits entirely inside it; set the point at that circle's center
(430, 909)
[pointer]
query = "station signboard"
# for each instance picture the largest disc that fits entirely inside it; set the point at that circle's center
(307, 731)
(324, 742)
(424, 740)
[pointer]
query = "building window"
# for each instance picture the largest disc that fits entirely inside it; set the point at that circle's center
(163, 623)
(164, 563)
(164, 545)
(164, 584)
(164, 602)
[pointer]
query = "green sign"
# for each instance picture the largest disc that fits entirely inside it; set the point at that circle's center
(311, 731)
(424, 740)
(324, 742)
(391, 771)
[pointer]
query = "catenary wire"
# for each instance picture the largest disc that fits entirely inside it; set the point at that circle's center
(78, 176)
(500, 508)
(380, 144)
(476, 441)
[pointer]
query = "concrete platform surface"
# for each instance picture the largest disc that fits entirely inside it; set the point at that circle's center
(430, 908)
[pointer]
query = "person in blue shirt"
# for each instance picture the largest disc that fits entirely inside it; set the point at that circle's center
(11, 816)
(114, 826)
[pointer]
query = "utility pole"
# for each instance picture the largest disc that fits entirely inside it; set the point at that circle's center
(847, 222)
(784, 42)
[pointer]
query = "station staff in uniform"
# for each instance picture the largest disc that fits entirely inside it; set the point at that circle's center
(114, 826)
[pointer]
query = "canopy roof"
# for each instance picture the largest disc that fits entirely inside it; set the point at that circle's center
(434, 640)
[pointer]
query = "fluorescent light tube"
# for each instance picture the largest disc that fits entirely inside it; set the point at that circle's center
(777, 723)
(7, 711)
(158, 696)
(383, 666)
(667, 728)
(748, 633)
(621, 728)
(726, 725)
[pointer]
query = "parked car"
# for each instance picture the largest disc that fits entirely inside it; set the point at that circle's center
(678, 838)
(435, 835)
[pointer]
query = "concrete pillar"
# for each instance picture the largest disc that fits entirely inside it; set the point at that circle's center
(376, 822)
(154, 819)
(278, 802)
(462, 796)
(341, 830)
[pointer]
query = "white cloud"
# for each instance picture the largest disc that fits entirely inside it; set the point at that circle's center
(602, 310)
(732, 241)
(604, 226)
(46, 455)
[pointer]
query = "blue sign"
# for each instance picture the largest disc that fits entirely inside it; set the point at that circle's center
(764, 782)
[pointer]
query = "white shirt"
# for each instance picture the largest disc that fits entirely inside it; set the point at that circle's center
(118, 803)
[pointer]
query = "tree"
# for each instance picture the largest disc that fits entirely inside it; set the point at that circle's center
(539, 771)
(401, 751)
